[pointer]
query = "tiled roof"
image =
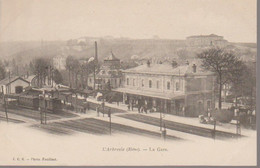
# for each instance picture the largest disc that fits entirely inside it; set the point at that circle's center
(6, 81)
(111, 57)
(166, 69)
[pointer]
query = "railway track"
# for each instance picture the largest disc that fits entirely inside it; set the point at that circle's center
(52, 129)
(205, 132)
(96, 127)
(34, 114)
(10, 120)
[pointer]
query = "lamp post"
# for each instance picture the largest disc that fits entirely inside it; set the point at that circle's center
(103, 106)
(110, 124)
(213, 133)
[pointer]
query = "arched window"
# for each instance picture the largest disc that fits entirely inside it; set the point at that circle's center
(127, 81)
(158, 84)
(168, 86)
(150, 83)
(177, 85)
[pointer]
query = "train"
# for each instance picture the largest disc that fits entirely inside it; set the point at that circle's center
(36, 103)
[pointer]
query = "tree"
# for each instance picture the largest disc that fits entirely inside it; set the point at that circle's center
(57, 77)
(222, 63)
(73, 66)
(2, 71)
(39, 67)
(243, 83)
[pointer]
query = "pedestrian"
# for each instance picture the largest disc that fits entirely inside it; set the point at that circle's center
(97, 110)
(88, 106)
(142, 109)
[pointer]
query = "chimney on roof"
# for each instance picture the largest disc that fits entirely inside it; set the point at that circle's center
(174, 64)
(194, 67)
(148, 63)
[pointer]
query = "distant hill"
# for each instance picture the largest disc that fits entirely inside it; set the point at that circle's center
(122, 48)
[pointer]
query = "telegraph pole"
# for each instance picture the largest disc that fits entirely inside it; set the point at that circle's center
(214, 130)
(103, 106)
(95, 61)
(5, 109)
(110, 124)
(45, 109)
(160, 120)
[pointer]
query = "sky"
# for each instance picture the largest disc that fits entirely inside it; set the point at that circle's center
(31, 20)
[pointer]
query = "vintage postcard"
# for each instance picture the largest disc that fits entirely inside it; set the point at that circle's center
(128, 82)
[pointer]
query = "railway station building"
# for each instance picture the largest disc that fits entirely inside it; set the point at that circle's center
(184, 90)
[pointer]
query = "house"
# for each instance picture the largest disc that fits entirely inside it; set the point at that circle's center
(109, 75)
(14, 84)
(206, 41)
(184, 90)
(59, 62)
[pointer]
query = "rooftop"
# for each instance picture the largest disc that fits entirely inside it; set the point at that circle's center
(8, 80)
(167, 69)
(111, 57)
(211, 35)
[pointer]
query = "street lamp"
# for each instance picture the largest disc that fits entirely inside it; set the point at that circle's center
(110, 123)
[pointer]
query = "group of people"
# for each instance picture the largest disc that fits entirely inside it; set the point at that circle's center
(142, 105)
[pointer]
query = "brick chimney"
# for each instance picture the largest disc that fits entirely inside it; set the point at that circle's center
(194, 68)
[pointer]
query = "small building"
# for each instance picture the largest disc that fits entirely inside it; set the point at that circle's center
(59, 62)
(206, 41)
(13, 85)
(184, 90)
(109, 74)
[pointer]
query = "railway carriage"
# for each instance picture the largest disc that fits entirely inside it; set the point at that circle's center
(51, 104)
(28, 101)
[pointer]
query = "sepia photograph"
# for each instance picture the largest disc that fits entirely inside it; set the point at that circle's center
(128, 82)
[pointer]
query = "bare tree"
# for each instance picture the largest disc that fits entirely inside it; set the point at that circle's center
(40, 69)
(221, 62)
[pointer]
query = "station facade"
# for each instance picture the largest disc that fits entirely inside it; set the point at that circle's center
(184, 90)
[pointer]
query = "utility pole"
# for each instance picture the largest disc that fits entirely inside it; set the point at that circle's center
(238, 126)
(110, 124)
(45, 110)
(164, 132)
(95, 61)
(214, 130)
(5, 109)
(103, 106)
(160, 120)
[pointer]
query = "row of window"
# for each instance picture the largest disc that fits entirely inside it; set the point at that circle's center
(157, 84)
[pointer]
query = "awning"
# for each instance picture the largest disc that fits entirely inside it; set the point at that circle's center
(169, 96)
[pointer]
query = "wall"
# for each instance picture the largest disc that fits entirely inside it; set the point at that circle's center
(17, 83)
(141, 82)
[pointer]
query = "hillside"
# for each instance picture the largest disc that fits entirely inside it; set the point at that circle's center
(124, 49)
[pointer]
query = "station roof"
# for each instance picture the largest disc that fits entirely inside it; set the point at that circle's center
(159, 95)
(167, 69)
